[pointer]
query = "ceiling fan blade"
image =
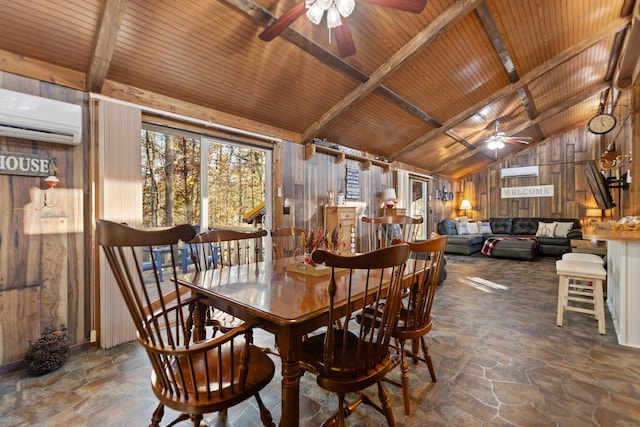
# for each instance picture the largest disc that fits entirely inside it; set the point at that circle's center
(415, 6)
(273, 30)
(344, 39)
(517, 140)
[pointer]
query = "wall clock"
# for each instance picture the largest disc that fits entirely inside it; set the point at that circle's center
(601, 123)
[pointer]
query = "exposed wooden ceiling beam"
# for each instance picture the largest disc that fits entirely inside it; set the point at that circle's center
(544, 116)
(104, 43)
(491, 28)
(611, 29)
(265, 18)
(440, 24)
(627, 72)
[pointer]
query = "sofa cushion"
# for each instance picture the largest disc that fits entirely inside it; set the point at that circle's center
(501, 225)
(546, 229)
(553, 241)
(473, 228)
(484, 228)
(462, 228)
(563, 228)
(524, 226)
(448, 227)
(467, 239)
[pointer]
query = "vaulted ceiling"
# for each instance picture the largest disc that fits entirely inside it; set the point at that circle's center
(423, 89)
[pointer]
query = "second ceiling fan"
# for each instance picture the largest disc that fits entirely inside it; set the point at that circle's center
(498, 139)
(337, 12)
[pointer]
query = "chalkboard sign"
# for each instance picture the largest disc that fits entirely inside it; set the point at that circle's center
(353, 182)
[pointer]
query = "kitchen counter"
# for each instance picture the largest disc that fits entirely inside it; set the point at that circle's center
(623, 284)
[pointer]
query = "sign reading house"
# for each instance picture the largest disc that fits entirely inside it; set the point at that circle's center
(528, 191)
(24, 164)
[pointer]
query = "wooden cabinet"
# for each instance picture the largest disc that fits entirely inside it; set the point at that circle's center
(344, 220)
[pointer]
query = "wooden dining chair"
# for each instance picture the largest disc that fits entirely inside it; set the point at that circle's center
(286, 242)
(347, 357)
(233, 247)
(414, 320)
(192, 378)
(380, 231)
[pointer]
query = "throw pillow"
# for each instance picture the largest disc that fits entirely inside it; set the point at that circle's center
(485, 228)
(546, 229)
(462, 228)
(472, 227)
(562, 228)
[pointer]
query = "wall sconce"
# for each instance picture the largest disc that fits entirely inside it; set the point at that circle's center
(286, 207)
(465, 205)
(52, 182)
(389, 197)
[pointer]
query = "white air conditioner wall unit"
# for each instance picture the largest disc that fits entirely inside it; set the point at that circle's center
(520, 172)
(41, 119)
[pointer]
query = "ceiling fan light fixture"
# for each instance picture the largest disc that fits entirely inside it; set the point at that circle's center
(334, 8)
(315, 13)
(345, 7)
(333, 17)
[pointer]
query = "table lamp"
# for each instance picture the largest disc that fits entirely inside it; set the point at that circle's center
(465, 205)
(389, 197)
(595, 214)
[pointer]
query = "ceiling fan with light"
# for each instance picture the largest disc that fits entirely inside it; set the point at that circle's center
(497, 139)
(337, 13)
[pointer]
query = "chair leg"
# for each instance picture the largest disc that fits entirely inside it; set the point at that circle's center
(157, 416)
(386, 405)
(340, 422)
(196, 420)
(415, 350)
(265, 415)
(563, 289)
(427, 358)
(404, 378)
(599, 306)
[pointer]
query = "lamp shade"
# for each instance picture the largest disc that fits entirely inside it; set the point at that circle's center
(389, 197)
(389, 194)
(465, 204)
(592, 212)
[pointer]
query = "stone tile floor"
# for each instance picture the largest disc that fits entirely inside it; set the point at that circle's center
(499, 357)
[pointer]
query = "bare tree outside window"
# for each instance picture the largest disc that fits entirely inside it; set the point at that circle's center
(171, 180)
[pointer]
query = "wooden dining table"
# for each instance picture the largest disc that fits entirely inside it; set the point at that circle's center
(290, 303)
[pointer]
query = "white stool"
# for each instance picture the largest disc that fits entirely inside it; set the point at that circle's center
(571, 290)
(578, 256)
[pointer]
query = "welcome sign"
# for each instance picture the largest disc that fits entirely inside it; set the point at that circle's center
(528, 191)
(24, 164)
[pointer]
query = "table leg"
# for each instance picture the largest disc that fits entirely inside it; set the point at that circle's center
(199, 312)
(289, 342)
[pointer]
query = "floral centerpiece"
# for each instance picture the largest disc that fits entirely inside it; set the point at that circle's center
(318, 238)
(312, 240)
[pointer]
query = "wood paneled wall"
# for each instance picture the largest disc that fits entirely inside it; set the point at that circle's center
(305, 184)
(561, 161)
(43, 268)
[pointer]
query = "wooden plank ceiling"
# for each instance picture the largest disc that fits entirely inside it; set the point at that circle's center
(422, 89)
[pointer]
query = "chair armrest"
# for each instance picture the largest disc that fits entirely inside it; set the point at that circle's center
(205, 345)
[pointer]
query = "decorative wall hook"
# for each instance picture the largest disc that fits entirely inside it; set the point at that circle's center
(48, 193)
